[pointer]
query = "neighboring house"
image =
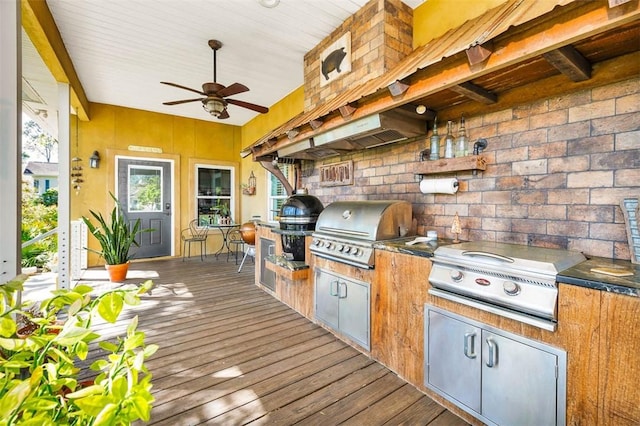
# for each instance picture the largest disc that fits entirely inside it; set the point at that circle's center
(44, 175)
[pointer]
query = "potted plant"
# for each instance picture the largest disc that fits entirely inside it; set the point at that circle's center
(116, 238)
(42, 382)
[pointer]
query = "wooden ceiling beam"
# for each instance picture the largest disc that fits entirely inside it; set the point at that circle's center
(316, 123)
(606, 72)
(479, 53)
(570, 62)
(41, 28)
(397, 88)
(347, 110)
(475, 92)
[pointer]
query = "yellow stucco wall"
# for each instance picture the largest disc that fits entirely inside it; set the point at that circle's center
(113, 129)
(433, 18)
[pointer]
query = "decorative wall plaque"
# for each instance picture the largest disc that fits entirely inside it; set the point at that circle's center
(337, 174)
(335, 60)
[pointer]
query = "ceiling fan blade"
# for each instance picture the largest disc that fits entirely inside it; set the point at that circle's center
(224, 114)
(248, 105)
(183, 87)
(184, 101)
(234, 89)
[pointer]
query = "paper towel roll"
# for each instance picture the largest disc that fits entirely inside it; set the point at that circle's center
(439, 186)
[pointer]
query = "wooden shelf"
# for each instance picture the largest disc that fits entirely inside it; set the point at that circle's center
(290, 274)
(447, 165)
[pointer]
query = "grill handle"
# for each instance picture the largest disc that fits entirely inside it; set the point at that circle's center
(489, 255)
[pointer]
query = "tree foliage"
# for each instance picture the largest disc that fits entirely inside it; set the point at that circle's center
(38, 216)
(37, 140)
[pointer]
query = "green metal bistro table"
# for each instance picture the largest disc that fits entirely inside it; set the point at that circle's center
(224, 231)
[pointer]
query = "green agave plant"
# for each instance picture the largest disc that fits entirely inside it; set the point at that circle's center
(39, 374)
(115, 237)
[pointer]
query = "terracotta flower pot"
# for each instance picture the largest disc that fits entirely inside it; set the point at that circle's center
(117, 273)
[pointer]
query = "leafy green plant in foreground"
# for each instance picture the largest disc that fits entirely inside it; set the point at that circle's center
(114, 235)
(39, 375)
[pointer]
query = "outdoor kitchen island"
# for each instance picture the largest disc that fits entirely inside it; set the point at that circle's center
(595, 327)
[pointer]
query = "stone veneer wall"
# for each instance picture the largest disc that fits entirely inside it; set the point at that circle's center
(558, 169)
(381, 35)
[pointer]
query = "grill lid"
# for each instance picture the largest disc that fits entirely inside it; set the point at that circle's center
(300, 208)
(371, 220)
(513, 258)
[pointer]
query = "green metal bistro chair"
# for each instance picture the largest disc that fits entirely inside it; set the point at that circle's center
(194, 234)
(236, 243)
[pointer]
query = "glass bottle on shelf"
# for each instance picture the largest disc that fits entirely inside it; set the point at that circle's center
(435, 142)
(462, 142)
(448, 141)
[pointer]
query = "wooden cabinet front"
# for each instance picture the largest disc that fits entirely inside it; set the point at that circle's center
(619, 365)
(399, 293)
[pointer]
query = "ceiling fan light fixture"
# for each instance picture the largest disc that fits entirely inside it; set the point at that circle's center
(269, 3)
(214, 107)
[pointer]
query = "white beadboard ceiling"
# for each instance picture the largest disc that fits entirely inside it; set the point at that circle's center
(123, 49)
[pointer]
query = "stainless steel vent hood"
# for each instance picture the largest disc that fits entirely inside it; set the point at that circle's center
(371, 131)
(367, 132)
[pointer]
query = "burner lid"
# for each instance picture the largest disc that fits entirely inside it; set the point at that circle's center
(512, 257)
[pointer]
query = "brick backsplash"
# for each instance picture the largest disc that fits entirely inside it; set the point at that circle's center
(557, 171)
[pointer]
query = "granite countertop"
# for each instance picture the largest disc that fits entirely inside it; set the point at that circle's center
(582, 275)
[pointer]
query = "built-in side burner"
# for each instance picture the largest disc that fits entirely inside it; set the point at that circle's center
(511, 280)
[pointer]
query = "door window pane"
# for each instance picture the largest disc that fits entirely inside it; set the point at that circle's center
(145, 189)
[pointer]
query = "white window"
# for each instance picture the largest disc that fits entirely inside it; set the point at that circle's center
(277, 193)
(215, 195)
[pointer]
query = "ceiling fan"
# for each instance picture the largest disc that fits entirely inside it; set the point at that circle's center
(215, 94)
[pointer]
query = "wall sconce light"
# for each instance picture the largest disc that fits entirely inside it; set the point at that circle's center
(214, 107)
(94, 160)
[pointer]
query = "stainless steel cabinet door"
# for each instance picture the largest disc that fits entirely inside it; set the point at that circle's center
(327, 298)
(267, 276)
(518, 382)
(354, 311)
(453, 359)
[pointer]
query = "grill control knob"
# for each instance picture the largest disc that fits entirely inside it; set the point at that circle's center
(357, 252)
(511, 288)
(317, 243)
(340, 247)
(456, 275)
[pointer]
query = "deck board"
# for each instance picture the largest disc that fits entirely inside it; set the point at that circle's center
(231, 354)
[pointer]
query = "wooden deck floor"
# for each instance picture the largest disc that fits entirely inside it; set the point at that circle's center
(231, 354)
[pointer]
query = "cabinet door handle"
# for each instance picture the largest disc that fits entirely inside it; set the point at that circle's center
(470, 345)
(493, 353)
(333, 288)
(343, 290)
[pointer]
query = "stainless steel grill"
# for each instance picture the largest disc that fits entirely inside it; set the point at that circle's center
(514, 281)
(346, 230)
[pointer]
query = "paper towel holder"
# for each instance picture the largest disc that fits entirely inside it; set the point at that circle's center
(419, 178)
